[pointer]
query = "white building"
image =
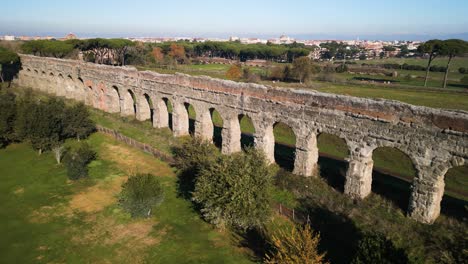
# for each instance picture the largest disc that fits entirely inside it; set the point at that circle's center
(9, 37)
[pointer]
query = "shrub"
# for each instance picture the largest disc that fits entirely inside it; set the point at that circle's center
(234, 72)
(300, 245)
(341, 68)
(464, 80)
(462, 70)
(140, 194)
(76, 161)
(191, 156)
(376, 248)
(235, 190)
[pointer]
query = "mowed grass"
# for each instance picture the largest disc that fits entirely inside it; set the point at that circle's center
(47, 219)
(456, 63)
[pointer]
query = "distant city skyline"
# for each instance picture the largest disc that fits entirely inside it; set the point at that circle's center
(333, 19)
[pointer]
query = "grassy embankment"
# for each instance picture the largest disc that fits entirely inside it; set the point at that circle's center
(46, 218)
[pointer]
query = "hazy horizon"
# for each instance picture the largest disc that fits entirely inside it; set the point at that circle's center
(334, 19)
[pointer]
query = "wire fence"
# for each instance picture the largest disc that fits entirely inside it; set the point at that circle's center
(292, 214)
(131, 142)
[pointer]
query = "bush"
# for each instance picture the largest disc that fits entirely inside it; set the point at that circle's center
(341, 68)
(192, 156)
(462, 70)
(300, 245)
(464, 80)
(376, 248)
(234, 72)
(76, 161)
(140, 194)
(235, 190)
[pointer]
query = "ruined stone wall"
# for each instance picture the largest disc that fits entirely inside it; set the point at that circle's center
(434, 139)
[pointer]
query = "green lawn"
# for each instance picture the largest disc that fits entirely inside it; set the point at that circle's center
(456, 63)
(47, 219)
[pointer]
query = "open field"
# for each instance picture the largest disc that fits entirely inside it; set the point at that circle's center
(47, 219)
(456, 63)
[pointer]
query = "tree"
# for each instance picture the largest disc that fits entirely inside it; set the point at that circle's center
(9, 65)
(47, 125)
(376, 248)
(431, 47)
(452, 48)
(299, 245)
(235, 190)
(77, 122)
(77, 160)
(140, 194)
(303, 69)
(158, 55)
(7, 117)
(234, 72)
(178, 53)
(48, 48)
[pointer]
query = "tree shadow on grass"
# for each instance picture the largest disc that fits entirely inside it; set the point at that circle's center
(333, 171)
(339, 235)
(256, 240)
(454, 207)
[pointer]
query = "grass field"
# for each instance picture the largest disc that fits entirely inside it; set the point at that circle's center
(47, 219)
(456, 63)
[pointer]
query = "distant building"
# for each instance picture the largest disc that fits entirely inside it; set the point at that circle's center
(70, 36)
(9, 37)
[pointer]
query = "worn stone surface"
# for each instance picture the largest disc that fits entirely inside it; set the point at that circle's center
(434, 139)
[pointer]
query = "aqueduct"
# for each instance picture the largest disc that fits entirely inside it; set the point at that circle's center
(435, 140)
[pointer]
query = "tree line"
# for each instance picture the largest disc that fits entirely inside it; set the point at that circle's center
(97, 50)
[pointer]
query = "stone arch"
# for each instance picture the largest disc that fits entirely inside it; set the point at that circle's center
(102, 99)
(90, 96)
(455, 194)
(192, 117)
(285, 145)
(113, 100)
(217, 123)
(393, 174)
(161, 115)
(247, 130)
(129, 104)
(333, 154)
(70, 87)
(145, 110)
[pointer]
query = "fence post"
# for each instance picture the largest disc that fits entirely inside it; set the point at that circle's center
(281, 211)
(293, 215)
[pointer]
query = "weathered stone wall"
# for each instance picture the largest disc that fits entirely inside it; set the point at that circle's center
(434, 139)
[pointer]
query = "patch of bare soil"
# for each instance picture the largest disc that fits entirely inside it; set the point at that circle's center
(134, 161)
(97, 197)
(19, 191)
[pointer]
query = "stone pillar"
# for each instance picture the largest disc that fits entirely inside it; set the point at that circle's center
(359, 175)
(143, 109)
(307, 154)
(180, 120)
(127, 104)
(204, 125)
(427, 193)
(231, 134)
(160, 115)
(265, 140)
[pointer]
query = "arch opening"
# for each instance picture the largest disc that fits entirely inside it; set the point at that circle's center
(217, 127)
(285, 146)
(333, 152)
(392, 175)
(169, 108)
(247, 131)
(149, 113)
(192, 117)
(455, 200)
(113, 100)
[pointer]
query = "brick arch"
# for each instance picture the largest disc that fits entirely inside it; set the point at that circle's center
(129, 104)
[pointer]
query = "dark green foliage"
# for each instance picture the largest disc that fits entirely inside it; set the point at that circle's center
(10, 65)
(7, 117)
(462, 70)
(235, 190)
(76, 161)
(341, 68)
(48, 48)
(48, 123)
(77, 122)
(375, 248)
(192, 156)
(140, 194)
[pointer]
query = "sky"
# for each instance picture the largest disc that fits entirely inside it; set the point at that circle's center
(330, 19)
